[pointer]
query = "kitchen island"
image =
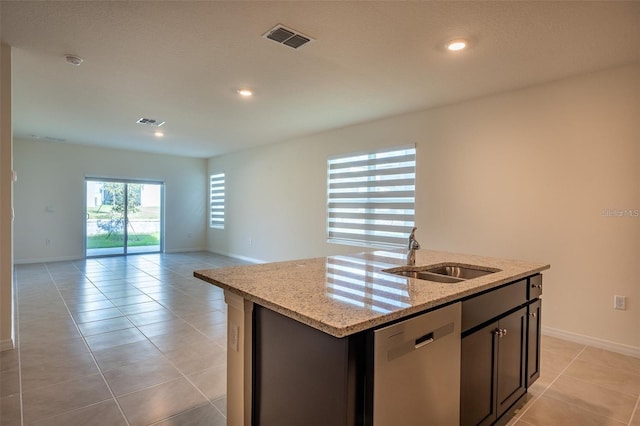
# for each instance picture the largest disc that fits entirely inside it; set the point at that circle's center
(333, 304)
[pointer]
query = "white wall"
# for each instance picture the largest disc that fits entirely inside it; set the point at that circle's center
(52, 174)
(524, 174)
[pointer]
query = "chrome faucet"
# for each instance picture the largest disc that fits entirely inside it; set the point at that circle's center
(413, 246)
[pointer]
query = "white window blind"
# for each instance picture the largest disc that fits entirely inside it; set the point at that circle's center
(216, 200)
(371, 197)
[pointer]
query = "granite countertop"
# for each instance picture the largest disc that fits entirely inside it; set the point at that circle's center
(343, 295)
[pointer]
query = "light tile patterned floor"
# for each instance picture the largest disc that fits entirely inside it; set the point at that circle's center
(581, 385)
(137, 341)
(117, 341)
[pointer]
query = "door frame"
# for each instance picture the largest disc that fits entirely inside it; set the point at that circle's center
(125, 181)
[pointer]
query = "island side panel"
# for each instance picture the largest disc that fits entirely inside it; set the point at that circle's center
(302, 376)
(239, 359)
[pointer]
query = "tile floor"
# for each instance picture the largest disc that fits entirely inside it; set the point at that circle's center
(117, 341)
(581, 386)
(139, 341)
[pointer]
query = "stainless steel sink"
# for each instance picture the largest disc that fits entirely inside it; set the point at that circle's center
(424, 275)
(447, 273)
(463, 272)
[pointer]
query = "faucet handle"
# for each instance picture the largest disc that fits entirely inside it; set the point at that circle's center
(413, 233)
(413, 243)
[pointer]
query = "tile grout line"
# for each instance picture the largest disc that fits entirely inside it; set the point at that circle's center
(598, 365)
(535, 399)
(17, 327)
(88, 348)
(184, 375)
(108, 268)
(636, 411)
(133, 326)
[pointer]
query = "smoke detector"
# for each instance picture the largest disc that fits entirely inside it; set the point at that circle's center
(286, 36)
(150, 122)
(74, 60)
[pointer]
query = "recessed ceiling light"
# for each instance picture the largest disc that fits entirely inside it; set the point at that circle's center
(457, 44)
(158, 134)
(245, 93)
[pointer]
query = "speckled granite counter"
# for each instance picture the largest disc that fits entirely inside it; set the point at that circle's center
(343, 295)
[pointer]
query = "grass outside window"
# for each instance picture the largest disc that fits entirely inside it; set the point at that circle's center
(116, 240)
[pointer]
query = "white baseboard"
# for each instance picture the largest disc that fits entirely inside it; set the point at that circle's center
(620, 348)
(185, 250)
(237, 256)
(6, 345)
(47, 260)
(71, 258)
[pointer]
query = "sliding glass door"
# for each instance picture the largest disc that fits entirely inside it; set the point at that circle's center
(123, 217)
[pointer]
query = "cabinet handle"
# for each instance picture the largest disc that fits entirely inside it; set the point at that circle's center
(533, 314)
(536, 285)
(500, 332)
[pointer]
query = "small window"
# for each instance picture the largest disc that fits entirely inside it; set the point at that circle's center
(371, 197)
(216, 201)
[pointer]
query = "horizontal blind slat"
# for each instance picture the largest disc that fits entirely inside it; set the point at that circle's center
(371, 216)
(399, 229)
(372, 195)
(373, 183)
(389, 241)
(372, 162)
(344, 174)
(380, 204)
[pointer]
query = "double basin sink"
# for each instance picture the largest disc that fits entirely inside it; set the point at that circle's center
(447, 273)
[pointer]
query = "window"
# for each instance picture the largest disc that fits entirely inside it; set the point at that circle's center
(216, 200)
(371, 197)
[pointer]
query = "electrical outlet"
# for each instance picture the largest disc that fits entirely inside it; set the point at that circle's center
(250, 241)
(47, 242)
(620, 302)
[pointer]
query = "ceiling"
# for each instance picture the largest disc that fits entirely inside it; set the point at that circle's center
(182, 62)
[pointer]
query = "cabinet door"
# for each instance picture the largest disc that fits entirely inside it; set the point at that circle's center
(478, 371)
(533, 341)
(512, 346)
(301, 375)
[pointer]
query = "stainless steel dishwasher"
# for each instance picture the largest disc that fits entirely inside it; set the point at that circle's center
(416, 378)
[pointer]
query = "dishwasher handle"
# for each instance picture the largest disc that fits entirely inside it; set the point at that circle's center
(424, 340)
(409, 344)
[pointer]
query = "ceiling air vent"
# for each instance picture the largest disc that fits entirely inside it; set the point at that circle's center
(283, 35)
(150, 121)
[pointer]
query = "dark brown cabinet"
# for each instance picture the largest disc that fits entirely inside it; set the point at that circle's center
(304, 376)
(512, 349)
(500, 353)
(534, 318)
(493, 369)
(478, 371)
